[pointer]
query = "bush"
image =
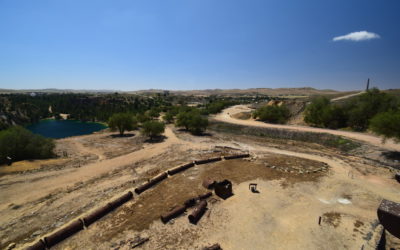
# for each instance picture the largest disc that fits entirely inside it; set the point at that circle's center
(356, 113)
(315, 111)
(272, 114)
(122, 122)
(366, 106)
(20, 144)
(217, 106)
(321, 113)
(192, 121)
(387, 124)
(153, 129)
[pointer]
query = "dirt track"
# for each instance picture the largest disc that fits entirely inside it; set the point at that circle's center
(226, 116)
(346, 96)
(67, 177)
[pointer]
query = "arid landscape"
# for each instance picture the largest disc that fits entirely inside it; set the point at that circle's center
(310, 196)
(199, 125)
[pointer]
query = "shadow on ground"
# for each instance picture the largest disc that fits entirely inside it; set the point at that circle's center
(392, 155)
(122, 136)
(157, 139)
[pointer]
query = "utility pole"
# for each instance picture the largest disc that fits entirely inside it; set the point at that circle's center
(367, 85)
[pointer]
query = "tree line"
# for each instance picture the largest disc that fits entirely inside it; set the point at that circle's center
(23, 109)
(121, 112)
(189, 118)
(373, 110)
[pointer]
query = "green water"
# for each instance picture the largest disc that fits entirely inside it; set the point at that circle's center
(64, 128)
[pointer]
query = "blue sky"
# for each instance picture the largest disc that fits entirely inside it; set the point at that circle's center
(197, 44)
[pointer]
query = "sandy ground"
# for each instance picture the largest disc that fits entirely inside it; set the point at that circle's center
(284, 215)
(298, 182)
(226, 116)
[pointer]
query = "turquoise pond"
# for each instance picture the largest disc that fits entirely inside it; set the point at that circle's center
(64, 128)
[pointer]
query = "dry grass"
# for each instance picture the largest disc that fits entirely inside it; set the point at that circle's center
(29, 165)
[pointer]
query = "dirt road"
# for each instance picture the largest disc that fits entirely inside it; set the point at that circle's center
(23, 192)
(347, 96)
(226, 116)
(76, 142)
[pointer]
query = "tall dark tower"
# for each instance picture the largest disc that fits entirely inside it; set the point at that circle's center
(367, 85)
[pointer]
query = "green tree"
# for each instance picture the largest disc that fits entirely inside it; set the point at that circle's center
(192, 121)
(315, 112)
(197, 123)
(362, 108)
(321, 113)
(153, 129)
(174, 110)
(168, 117)
(182, 120)
(153, 113)
(19, 144)
(334, 117)
(273, 114)
(387, 124)
(122, 122)
(142, 118)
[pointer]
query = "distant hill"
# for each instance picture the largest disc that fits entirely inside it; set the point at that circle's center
(4, 91)
(305, 91)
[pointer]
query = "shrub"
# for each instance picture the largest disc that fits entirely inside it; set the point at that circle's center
(387, 124)
(122, 122)
(366, 106)
(356, 113)
(217, 106)
(321, 113)
(273, 114)
(315, 111)
(334, 117)
(20, 144)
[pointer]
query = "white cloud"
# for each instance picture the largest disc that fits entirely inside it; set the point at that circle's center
(357, 36)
